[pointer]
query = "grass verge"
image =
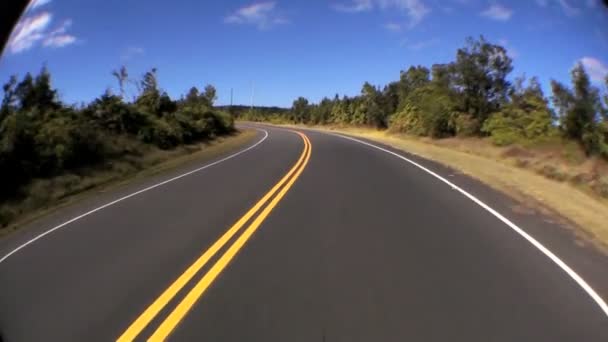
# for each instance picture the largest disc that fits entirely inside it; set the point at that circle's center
(47, 195)
(522, 173)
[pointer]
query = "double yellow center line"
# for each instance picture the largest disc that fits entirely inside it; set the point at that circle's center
(180, 311)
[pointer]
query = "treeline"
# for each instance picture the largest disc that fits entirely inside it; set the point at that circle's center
(470, 96)
(41, 137)
(253, 112)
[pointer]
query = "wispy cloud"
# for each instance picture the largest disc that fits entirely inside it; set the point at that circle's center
(33, 30)
(597, 70)
(60, 40)
(263, 15)
(393, 27)
(355, 6)
(58, 37)
(568, 9)
(131, 52)
(414, 10)
(423, 44)
(37, 3)
(498, 12)
(28, 32)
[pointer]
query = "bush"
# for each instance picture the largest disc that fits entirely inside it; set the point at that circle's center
(427, 112)
(526, 119)
(162, 133)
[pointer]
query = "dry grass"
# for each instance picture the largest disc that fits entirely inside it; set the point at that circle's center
(554, 178)
(47, 195)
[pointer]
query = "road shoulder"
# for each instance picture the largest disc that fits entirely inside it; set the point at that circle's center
(117, 186)
(556, 231)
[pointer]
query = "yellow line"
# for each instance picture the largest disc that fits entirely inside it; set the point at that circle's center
(148, 315)
(186, 304)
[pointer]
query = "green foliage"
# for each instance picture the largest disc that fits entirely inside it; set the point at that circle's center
(300, 111)
(428, 111)
(479, 73)
(525, 119)
(581, 112)
(41, 138)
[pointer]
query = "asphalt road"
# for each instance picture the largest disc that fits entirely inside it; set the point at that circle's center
(355, 244)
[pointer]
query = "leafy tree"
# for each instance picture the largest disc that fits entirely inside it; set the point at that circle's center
(9, 98)
(480, 76)
(300, 111)
(579, 111)
(40, 137)
(192, 98)
(413, 78)
(526, 118)
(210, 95)
(370, 106)
(149, 98)
(428, 111)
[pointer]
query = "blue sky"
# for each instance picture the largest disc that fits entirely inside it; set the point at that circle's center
(293, 48)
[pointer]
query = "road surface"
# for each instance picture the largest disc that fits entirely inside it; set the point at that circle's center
(303, 237)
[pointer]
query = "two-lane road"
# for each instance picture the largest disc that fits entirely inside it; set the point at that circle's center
(304, 237)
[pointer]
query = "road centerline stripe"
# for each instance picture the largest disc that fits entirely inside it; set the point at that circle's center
(182, 309)
(153, 310)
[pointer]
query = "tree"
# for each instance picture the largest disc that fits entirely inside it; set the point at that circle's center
(414, 77)
(300, 111)
(370, 106)
(192, 97)
(210, 95)
(579, 110)
(9, 98)
(526, 118)
(122, 76)
(480, 76)
(149, 98)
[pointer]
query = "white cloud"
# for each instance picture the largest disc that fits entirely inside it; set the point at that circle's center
(568, 9)
(596, 69)
(59, 40)
(33, 30)
(65, 25)
(415, 10)
(37, 3)
(263, 15)
(423, 44)
(28, 32)
(131, 52)
(355, 7)
(394, 27)
(498, 12)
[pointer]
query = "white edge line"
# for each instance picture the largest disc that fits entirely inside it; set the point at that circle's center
(131, 195)
(578, 279)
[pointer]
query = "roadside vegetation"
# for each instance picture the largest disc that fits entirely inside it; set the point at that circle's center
(50, 150)
(470, 114)
(472, 98)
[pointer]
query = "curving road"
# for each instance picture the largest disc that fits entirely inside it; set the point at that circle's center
(304, 237)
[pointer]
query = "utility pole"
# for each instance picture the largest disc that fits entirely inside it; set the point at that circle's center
(252, 93)
(230, 110)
